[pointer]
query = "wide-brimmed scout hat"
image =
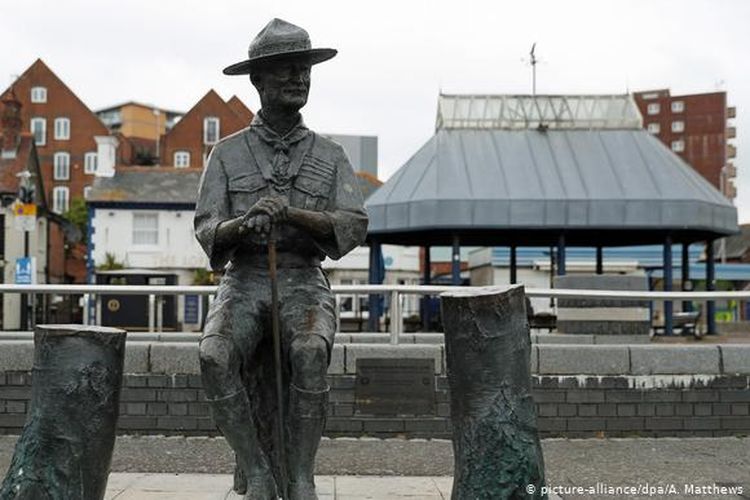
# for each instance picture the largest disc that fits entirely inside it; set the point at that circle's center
(277, 40)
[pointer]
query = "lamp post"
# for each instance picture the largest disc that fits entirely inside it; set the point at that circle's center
(25, 198)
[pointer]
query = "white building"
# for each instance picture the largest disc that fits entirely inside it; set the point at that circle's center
(401, 268)
(142, 218)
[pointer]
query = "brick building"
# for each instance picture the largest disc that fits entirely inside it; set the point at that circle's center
(696, 128)
(64, 129)
(189, 142)
(138, 128)
(20, 182)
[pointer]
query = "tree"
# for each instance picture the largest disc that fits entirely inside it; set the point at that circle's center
(78, 214)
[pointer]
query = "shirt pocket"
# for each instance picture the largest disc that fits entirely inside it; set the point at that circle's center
(245, 191)
(312, 187)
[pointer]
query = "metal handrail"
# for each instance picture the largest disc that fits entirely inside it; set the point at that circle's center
(560, 293)
(155, 292)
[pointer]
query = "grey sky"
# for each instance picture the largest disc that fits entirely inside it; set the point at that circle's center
(394, 56)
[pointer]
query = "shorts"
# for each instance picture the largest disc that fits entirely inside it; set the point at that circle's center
(241, 309)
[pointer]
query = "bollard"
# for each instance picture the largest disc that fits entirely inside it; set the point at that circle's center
(497, 452)
(65, 449)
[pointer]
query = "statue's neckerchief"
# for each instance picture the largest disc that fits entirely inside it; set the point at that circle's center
(281, 172)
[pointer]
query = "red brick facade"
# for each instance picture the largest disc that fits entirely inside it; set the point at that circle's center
(695, 128)
(60, 102)
(188, 134)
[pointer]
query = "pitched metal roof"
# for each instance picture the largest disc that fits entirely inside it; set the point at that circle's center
(619, 180)
(154, 185)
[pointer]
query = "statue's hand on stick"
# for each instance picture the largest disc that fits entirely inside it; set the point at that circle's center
(268, 211)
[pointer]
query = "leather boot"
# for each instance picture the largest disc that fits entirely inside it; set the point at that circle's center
(307, 418)
(232, 416)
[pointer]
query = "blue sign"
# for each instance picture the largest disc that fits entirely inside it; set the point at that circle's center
(24, 271)
(192, 309)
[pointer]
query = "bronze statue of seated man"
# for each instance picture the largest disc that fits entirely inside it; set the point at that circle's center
(277, 178)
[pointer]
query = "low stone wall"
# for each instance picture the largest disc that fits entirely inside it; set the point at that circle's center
(581, 390)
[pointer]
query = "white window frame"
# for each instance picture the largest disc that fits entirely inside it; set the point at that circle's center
(678, 146)
(678, 106)
(61, 165)
(43, 135)
(206, 121)
(60, 199)
(62, 129)
(145, 236)
(38, 95)
(678, 126)
(86, 192)
(653, 108)
(654, 128)
(90, 161)
(181, 159)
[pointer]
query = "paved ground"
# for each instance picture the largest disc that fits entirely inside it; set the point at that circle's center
(130, 486)
(418, 469)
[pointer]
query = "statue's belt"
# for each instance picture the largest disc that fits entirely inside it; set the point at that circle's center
(283, 260)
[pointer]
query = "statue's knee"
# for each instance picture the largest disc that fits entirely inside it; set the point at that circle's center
(309, 356)
(215, 354)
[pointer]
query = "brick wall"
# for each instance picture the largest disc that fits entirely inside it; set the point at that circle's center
(566, 406)
(637, 402)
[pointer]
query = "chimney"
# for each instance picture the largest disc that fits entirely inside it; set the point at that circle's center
(106, 146)
(11, 124)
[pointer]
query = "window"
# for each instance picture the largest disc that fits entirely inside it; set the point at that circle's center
(678, 106)
(653, 108)
(89, 162)
(39, 129)
(210, 130)
(650, 95)
(181, 159)
(678, 126)
(62, 166)
(654, 128)
(145, 229)
(86, 192)
(678, 146)
(60, 199)
(62, 129)
(38, 95)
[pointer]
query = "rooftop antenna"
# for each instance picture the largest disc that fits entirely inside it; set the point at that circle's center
(542, 127)
(533, 62)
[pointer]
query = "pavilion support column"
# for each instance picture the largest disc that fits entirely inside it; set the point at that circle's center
(513, 266)
(426, 279)
(668, 285)
(561, 255)
(374, 278)
(599, 260)
(687, 306)
(710, 287)
(456, 261)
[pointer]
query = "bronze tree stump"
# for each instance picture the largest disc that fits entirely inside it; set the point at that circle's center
(496, 446)
(65, 449)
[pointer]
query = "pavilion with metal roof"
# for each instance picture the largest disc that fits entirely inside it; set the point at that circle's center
(546, 171)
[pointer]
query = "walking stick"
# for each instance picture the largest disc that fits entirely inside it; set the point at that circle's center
(275, 329)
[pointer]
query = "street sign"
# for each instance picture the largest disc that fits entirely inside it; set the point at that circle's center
(24, 216)
(25, 271)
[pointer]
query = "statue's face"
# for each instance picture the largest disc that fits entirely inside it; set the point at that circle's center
(283, 84)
